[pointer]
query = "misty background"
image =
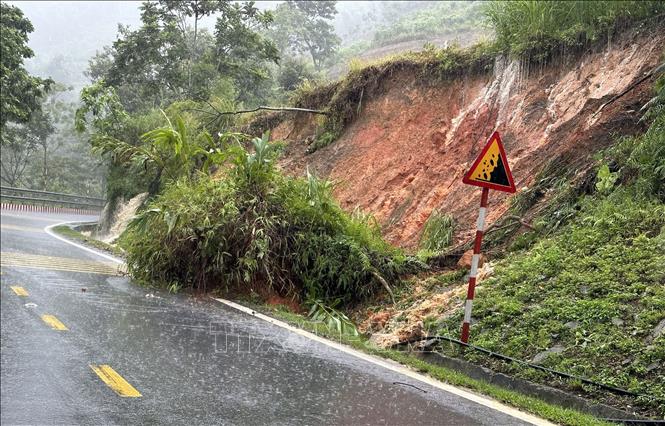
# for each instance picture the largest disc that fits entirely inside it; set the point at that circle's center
(73, 38)
(69, 33)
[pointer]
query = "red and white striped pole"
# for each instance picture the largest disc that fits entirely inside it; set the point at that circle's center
(480, 226)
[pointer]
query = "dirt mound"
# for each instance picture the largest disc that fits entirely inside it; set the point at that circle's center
(406, 152)
(406, 321)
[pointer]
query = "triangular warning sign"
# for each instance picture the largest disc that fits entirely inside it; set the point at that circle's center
(491, 170)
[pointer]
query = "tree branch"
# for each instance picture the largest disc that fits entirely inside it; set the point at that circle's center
(516, 219)
(385, 285)
(269, 108)
(656, 70)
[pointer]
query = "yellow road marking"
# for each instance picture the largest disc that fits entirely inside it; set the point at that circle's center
(115, 381)
(54, 322)
(20, 228)
(25, 260)
(20, 291)
(61, 267)
(41, 219)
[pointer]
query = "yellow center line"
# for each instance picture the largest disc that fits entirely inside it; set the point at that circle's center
(73, 268)
(64, 264)
(54, 322)
(115, 381)
(20, 228)
(26, 256)
(36, 257)
(65, 269)
(20, 291)
(25, 260)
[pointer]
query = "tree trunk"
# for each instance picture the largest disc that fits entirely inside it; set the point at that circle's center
(44, 169)
(191, 55)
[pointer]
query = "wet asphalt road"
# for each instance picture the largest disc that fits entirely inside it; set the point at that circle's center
(191, 360)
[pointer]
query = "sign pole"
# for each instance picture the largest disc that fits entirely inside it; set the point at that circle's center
(480, 226)
(489, 171)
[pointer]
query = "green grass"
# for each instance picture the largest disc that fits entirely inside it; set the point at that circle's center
(594, 286)
(437, 232)
(67, 232)
(523, 402)
(536, 29)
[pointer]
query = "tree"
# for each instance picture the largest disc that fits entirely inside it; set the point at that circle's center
(46, 153)
(20, 143)
(303, 27)
(182, 11)
(169, 58)
(21, 92)
(293, 72)
(146, 65)
(240, 51)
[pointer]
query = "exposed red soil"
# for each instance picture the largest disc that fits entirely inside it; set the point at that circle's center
(406, 153)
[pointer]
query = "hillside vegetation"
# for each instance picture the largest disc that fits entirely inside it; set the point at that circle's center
(584, 284)
(582, 290)
(539, 28)
(592, 293)
(252, 229)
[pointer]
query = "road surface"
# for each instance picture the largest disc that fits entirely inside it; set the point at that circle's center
(83, 345)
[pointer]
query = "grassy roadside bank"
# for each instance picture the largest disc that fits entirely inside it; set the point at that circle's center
(67, 232)
(525, 403)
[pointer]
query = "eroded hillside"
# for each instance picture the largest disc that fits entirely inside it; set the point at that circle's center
(412, 139)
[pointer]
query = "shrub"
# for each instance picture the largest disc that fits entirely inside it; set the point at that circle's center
(252, 225)
(437, 232)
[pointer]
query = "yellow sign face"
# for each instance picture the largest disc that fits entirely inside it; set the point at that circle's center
(490, 170)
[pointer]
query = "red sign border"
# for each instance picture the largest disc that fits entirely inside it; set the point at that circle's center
(490, 185)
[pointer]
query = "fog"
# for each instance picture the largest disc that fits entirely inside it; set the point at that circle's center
(68, 33)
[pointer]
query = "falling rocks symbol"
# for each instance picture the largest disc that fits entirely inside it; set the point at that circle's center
(491, 170)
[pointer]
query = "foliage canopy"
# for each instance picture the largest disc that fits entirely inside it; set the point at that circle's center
(303, 27)
(166, 60)
(21, 92)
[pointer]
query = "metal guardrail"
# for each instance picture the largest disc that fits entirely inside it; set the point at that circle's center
(34, 200)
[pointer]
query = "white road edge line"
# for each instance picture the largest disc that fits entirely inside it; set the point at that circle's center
(49, 231)
(394, 366)
(390, 365)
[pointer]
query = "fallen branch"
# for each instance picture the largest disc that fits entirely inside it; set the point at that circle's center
(456, 252)
(654, 71)
(269, 108)
(385, 285)
(516, 219)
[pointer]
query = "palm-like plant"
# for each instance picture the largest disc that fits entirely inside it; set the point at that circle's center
(169, 150)
(256, 168)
